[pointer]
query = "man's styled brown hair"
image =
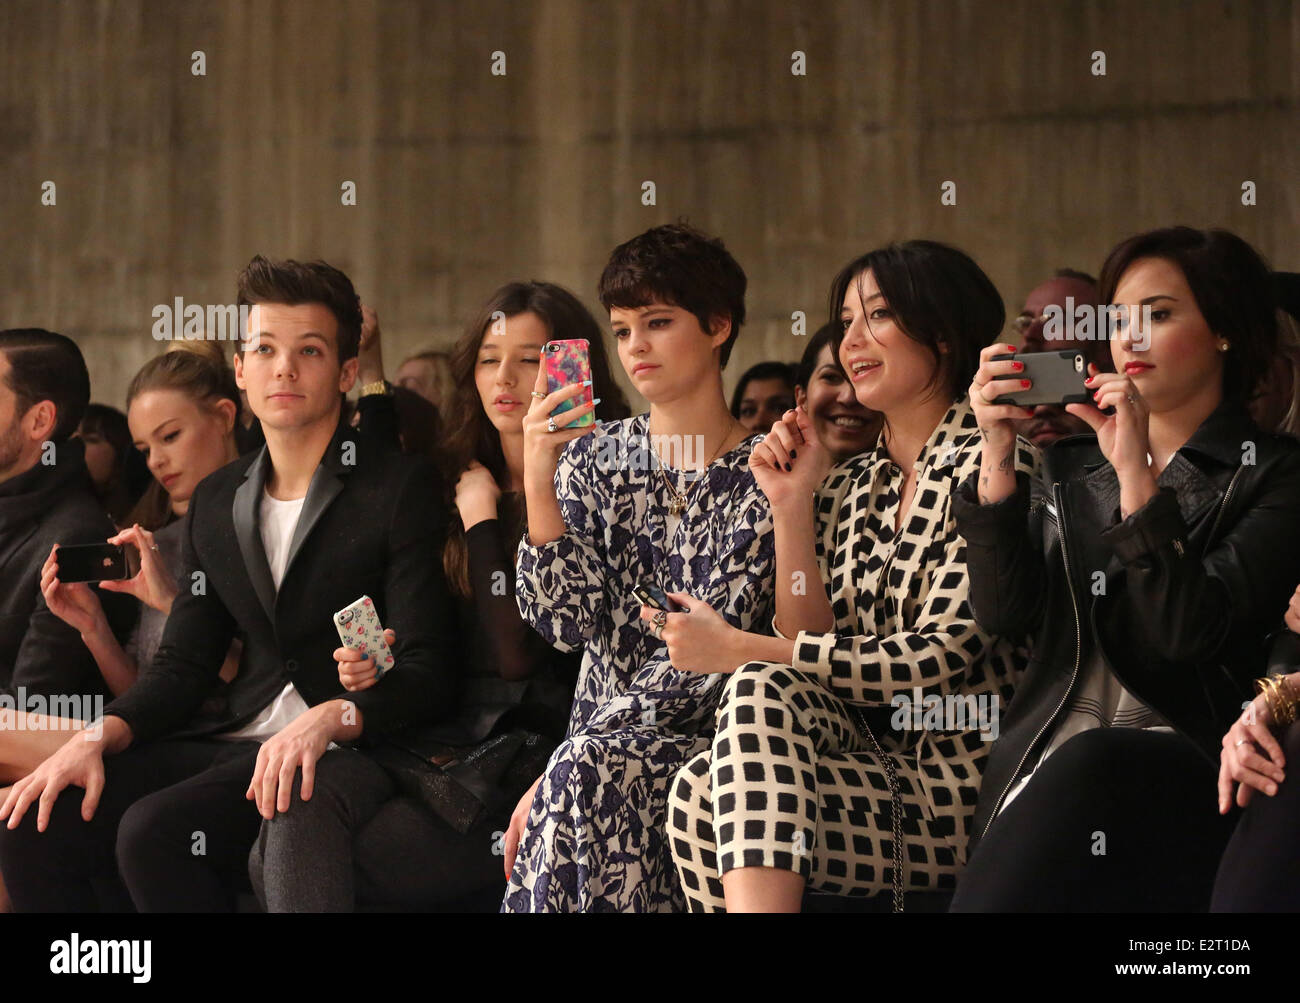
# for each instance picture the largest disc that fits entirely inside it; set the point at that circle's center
(292, 283)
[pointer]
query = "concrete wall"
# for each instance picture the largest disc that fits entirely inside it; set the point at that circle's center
(168, 182)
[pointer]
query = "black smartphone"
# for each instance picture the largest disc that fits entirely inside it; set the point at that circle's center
(1055, 378)
(91, 562)
(653, 596)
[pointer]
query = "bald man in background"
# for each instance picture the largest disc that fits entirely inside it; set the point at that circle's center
(1051, 421)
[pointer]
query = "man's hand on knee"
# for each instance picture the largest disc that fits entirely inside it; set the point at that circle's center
(298, 746)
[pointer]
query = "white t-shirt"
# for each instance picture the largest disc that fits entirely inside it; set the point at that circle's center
(279, 519)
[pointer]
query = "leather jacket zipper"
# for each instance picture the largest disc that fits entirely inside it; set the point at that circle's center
(1078, 654)
(1078, 634)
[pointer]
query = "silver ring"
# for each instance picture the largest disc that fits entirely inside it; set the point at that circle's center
(658, 631)
(153, 546)
(1130, 398)
(538, 394)
(1240, 741)
(550, 425)
(659, 619)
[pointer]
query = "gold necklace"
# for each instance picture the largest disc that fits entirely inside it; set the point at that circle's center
(678, 505)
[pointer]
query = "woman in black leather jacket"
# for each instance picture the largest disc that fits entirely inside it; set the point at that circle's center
(1149, 563)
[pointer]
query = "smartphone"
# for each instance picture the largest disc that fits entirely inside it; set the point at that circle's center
(91, 562)
(569, 362)
(1055, 378)
(359, 629)
(652, 595)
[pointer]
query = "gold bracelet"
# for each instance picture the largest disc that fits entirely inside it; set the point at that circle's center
(1282, 686)
(1279, 698)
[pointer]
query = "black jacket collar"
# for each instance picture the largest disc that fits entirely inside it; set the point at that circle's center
(1220, 437)
(327, 482)
(34, 492)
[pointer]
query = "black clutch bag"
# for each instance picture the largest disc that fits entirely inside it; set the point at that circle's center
(460, 784)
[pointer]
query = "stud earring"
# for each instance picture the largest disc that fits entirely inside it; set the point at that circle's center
(1223, 346)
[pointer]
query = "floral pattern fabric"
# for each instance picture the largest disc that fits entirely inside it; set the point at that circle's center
(595, 839)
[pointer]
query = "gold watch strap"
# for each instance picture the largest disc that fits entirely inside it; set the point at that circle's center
(377, 387)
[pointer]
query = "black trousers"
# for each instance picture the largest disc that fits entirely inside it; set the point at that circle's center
(358, 845)
(1116, 820)
(1260, 871)
(172, 826)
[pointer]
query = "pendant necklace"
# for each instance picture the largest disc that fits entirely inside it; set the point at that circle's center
(680, 498)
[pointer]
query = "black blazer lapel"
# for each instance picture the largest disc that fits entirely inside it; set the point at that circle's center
(326, 484)
(244, 510)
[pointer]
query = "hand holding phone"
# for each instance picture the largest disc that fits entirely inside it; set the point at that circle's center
(359, 629)
(649, 594)
(90, 562)
(1054, 378)
(568, 362)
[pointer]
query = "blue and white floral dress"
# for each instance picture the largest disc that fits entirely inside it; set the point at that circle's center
(596, 839)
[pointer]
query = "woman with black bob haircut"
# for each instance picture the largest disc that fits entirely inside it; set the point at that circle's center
(1150, 563)
(829, 768)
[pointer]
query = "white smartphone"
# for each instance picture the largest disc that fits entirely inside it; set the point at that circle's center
(359, 628)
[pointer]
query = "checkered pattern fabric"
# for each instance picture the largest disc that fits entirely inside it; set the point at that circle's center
(789, 782)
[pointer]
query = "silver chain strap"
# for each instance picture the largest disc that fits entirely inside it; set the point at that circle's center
(895, 804)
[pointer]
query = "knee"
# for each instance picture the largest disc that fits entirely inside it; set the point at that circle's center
(581, 768)
(1291, 742)
(148, 831)
(690, 800)
(753, 679)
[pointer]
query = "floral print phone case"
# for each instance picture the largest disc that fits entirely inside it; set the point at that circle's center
(359, 628)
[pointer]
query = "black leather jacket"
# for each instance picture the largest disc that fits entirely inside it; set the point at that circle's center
(1183, 596)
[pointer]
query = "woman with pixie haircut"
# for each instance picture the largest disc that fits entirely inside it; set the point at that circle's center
(1150, 562)
(665, 500)
(829, 767)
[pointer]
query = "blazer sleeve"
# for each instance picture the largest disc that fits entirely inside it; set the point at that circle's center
(195, 640)
(423, 685)
(1187, 608)
(560, 586)
(1004, 549)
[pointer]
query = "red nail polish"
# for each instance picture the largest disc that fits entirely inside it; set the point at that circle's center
(1017, 366)
(1024, 383)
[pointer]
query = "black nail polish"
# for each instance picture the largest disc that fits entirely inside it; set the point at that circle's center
(787, 467)
(793, 454)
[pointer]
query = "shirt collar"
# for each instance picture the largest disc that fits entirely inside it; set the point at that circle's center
(940, 446)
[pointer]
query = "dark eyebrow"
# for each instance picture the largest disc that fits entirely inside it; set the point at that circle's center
(308, 334)
(1157, 296)
(159, 428)
(530, 344)
(873, 296)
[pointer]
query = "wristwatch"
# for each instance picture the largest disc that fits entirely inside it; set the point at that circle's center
(379, 388)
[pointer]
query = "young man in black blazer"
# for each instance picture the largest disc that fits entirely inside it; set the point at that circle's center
(184, 769)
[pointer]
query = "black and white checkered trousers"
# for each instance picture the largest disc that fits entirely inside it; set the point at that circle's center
(789, 784)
